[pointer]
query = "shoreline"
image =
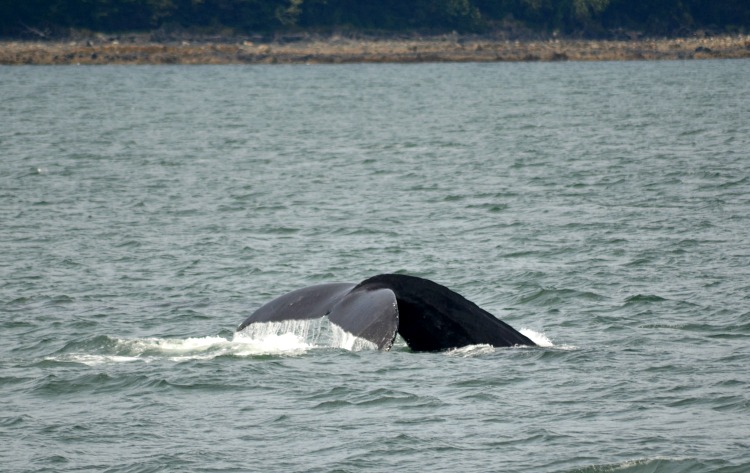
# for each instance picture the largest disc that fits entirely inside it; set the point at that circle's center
(336, 50)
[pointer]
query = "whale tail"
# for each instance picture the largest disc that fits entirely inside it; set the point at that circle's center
(428, 316)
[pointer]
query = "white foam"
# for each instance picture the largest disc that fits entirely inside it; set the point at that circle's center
(171, 346)
(206, 348)
(126, 350)
(543, 341)
(539, 338)
(292, 337)
(472, 350)
(275, 343)
(93, 360)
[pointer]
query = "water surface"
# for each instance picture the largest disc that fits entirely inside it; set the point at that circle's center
(146, 211)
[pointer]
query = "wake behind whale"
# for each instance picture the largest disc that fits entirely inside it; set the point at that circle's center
(428, 316)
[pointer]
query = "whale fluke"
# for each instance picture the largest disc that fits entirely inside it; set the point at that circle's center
(306, 303)
(429, 317)
(368, 313)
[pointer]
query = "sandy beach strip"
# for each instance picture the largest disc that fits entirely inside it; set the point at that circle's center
(341, 51)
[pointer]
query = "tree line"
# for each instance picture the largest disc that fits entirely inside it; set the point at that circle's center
(585, 17)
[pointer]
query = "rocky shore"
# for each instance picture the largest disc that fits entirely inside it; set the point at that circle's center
(337, 50)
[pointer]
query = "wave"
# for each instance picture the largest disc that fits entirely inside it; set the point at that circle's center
(663, 465)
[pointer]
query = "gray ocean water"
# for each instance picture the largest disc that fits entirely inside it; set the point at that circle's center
(602, 208)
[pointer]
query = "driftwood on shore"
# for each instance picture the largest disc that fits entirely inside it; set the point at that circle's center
(340, 50)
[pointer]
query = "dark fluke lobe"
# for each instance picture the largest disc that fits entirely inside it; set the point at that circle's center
(429, 317)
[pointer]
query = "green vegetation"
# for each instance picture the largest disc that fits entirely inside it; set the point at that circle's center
(583, 17)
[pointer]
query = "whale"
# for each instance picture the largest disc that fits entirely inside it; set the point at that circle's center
(427, 315)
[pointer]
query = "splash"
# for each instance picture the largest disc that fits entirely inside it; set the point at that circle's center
(340, 338)
(317, 333)
(289, 335)
(543, 341)
(472, 350)
(148, 350)
(537, 337)
(288, 338)
(540, 339)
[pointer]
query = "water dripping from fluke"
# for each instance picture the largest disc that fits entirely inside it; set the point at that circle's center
(296, 335)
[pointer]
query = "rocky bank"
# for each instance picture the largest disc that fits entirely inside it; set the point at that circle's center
(336, 50)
